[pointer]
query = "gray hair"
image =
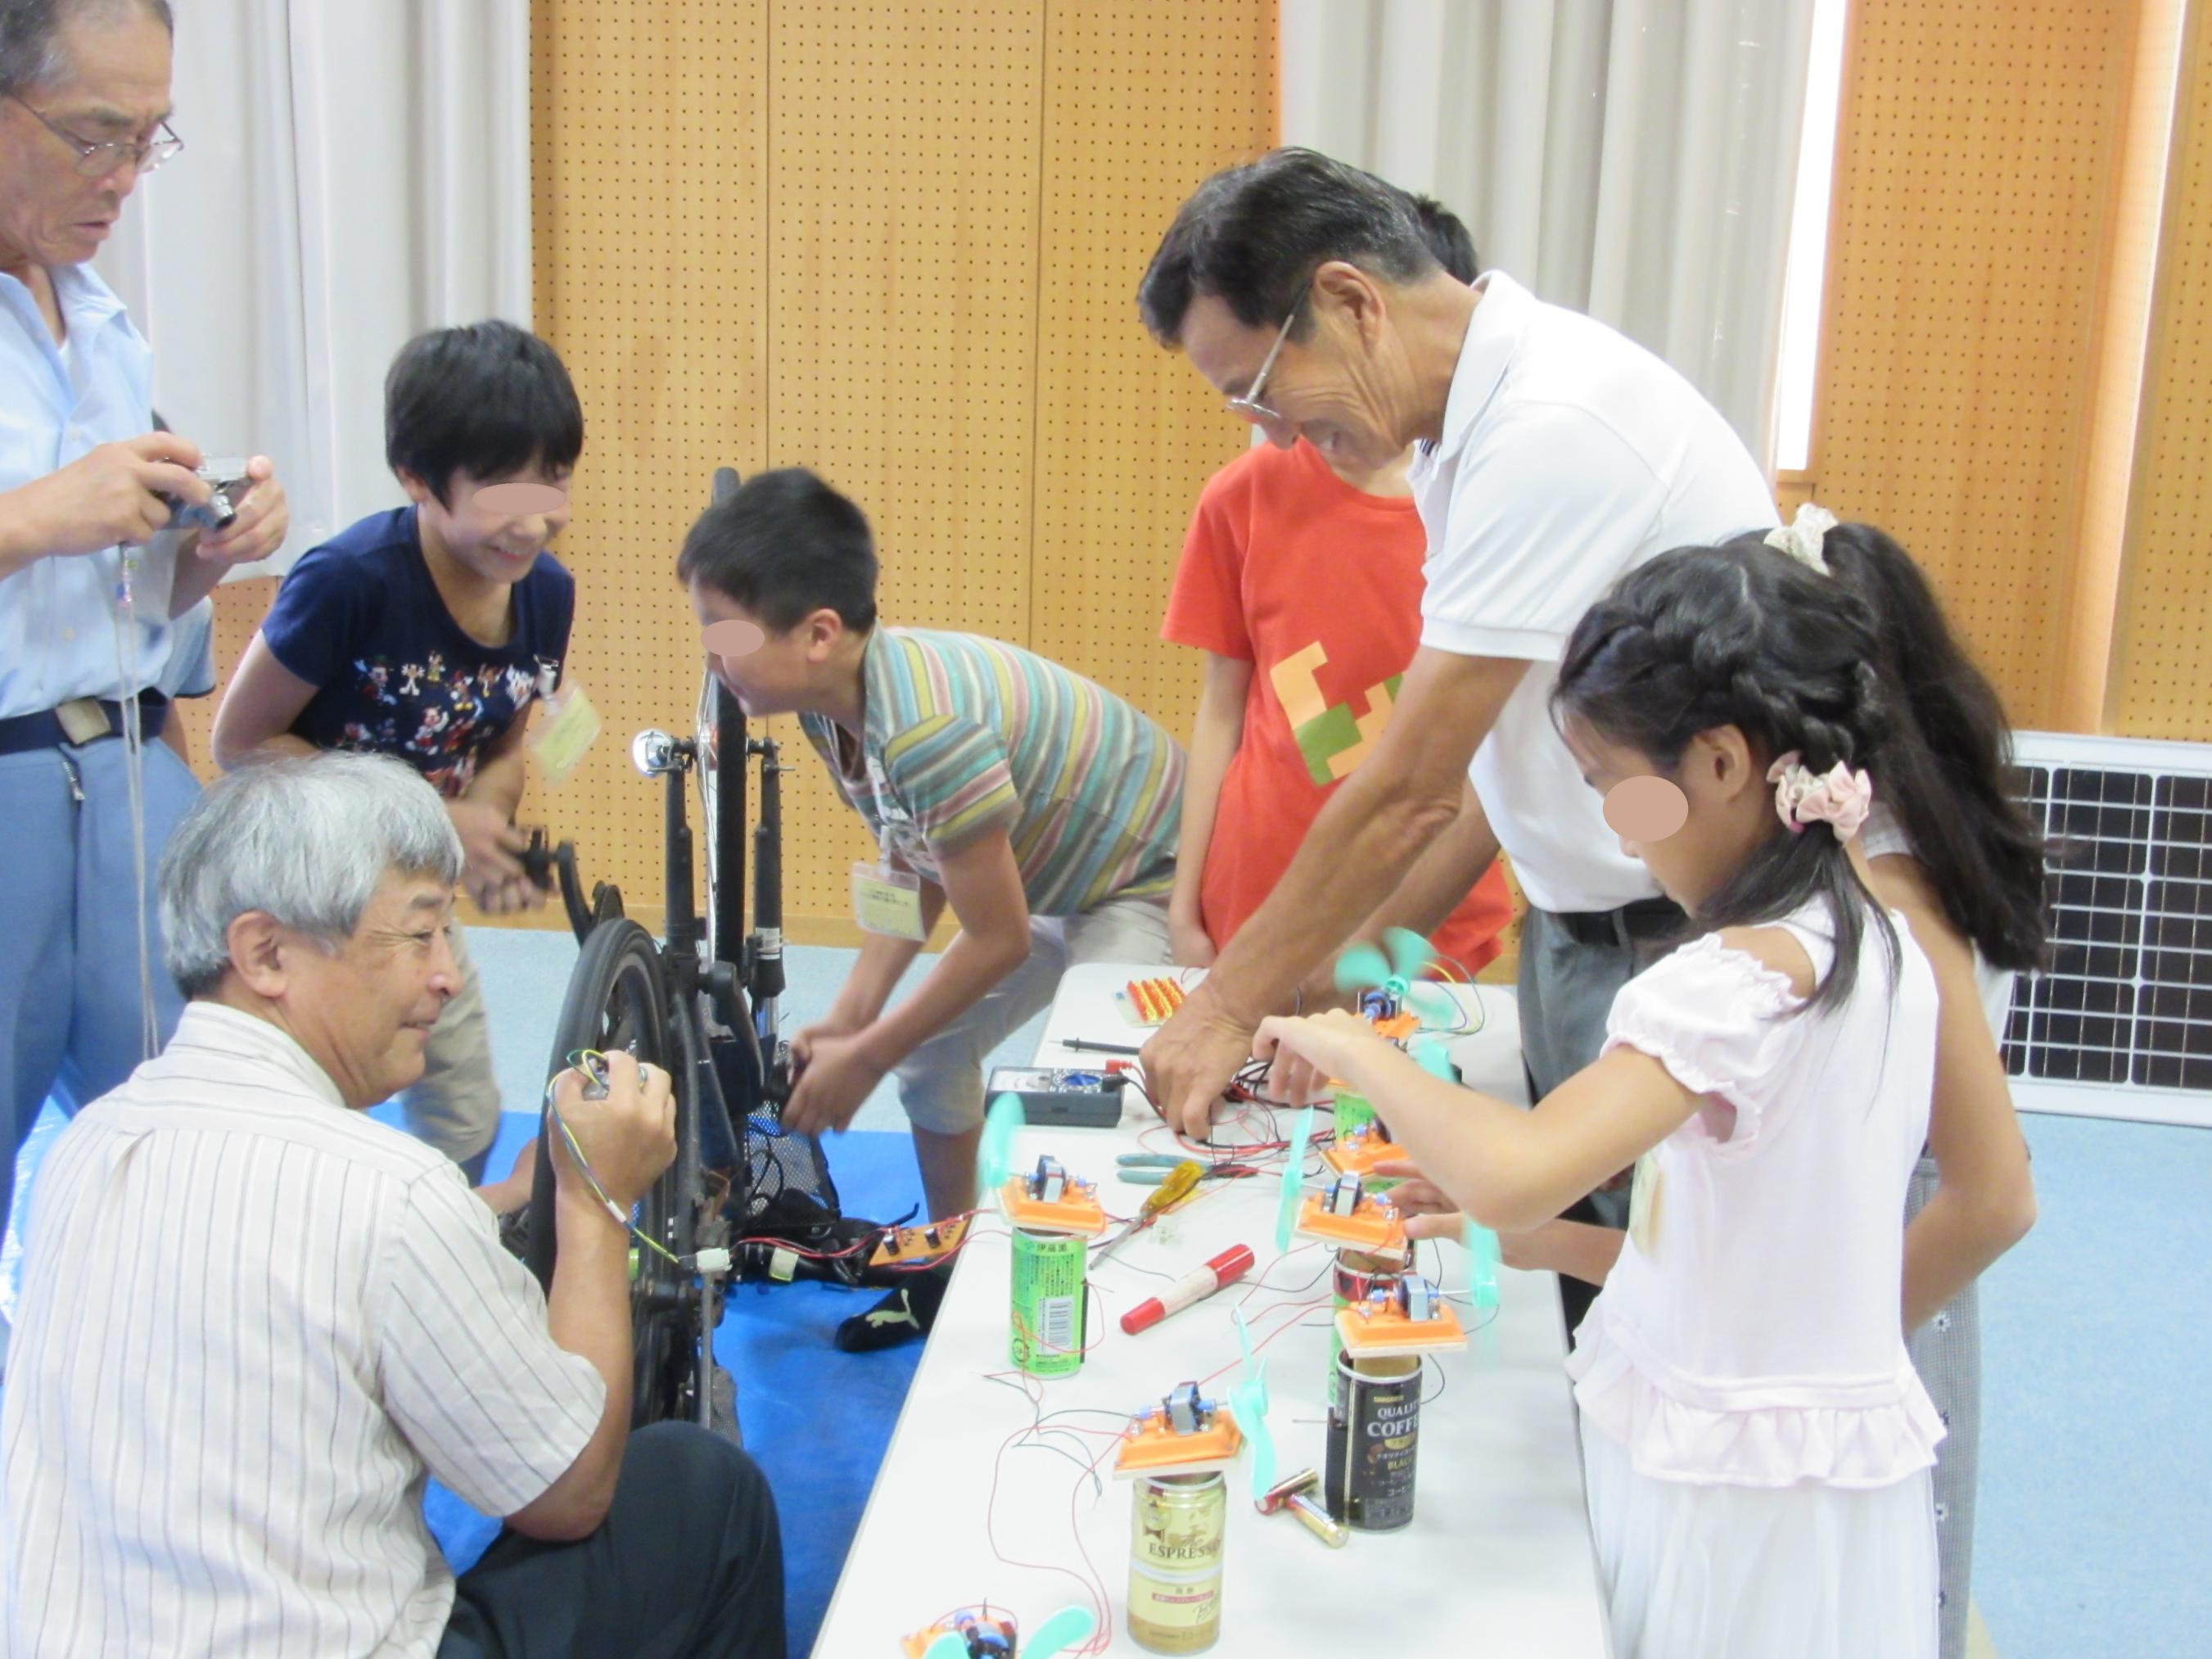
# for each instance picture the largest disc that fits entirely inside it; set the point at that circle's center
(305, 840)
(30, 52)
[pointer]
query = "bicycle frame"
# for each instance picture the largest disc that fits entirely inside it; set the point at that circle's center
(706, 979)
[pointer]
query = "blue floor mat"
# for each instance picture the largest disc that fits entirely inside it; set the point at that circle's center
(816, 1420)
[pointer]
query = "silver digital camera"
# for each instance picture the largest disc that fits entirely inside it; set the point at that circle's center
(226, 477)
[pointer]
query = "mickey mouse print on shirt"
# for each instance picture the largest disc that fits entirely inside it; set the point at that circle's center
(360, 618)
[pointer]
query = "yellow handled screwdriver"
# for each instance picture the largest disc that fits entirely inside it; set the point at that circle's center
(1175, 1185)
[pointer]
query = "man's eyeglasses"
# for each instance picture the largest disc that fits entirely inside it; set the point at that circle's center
(98, 161)
(1248, 405)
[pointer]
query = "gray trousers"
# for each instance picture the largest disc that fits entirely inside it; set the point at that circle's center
(1565, 990)
(941, 1082)
(1946, 1352)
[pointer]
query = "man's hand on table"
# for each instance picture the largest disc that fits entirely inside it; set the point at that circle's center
(1188, 1062)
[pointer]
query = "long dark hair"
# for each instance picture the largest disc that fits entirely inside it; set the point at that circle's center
(1743, 635)
(1948, 760)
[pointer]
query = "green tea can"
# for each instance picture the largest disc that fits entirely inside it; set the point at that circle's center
(1048, 1301)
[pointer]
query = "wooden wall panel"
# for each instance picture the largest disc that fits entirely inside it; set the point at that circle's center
(898, 243)
(238, 608)
(2162, 685)
(648, 143)
(1975, 198)
(1127, 433)
(901, 303)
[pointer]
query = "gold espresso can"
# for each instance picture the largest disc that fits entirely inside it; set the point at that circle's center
(1174, 1561)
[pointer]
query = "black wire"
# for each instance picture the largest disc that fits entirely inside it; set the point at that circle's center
(1149, 1272)
(1039, 1418)
(1035, 1440)
(1431, 1359)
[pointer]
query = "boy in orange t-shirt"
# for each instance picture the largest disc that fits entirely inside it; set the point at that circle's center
(1302, 584)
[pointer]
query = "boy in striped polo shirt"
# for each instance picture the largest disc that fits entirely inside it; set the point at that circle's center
(1042, 808)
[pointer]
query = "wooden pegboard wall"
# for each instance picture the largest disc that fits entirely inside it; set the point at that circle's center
(899, 244)
(1128, 433)
(1973, 205)
(648, 146)
(903, 172)
(2162, 683)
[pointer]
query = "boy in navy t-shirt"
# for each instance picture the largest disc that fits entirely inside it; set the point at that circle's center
(427, 632)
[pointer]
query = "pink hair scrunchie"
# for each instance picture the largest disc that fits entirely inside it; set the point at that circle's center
(1840, 797)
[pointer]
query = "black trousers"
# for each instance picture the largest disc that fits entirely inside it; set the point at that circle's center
(688, 1564)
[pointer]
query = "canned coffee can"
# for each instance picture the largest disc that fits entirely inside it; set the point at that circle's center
(1047, 1338)
(1374, 1432)
(1176, 1536)
(1358, 1273)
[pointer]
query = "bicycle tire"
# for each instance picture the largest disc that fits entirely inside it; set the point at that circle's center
(617, 998)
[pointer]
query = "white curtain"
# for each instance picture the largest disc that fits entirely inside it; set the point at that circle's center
(1631, 159)
(354, 171)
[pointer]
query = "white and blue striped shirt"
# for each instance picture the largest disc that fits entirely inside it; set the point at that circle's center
(251, 1322)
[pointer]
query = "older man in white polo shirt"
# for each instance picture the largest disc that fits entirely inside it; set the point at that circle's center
(254, 1320)
(1555, 455)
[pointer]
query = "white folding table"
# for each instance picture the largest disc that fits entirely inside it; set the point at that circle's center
(1497, 1559)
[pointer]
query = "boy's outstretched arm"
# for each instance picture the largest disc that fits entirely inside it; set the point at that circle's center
(983, 884)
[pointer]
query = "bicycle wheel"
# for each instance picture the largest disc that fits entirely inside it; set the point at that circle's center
(616, 1001)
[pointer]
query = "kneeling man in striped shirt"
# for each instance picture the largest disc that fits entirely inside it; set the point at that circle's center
(254, 1320)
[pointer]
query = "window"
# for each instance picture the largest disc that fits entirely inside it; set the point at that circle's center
(1804, 277)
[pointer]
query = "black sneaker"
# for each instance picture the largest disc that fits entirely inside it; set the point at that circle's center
(906, 1314)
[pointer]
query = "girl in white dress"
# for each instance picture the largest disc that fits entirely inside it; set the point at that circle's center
(1756, 1445)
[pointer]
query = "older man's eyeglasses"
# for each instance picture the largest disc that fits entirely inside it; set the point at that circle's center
(98, 161)
(1248, 405)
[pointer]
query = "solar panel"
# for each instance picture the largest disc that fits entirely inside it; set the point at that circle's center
(2121, 1022)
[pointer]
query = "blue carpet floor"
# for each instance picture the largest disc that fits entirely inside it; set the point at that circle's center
(2096, 1494)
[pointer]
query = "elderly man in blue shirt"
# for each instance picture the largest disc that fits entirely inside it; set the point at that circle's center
(86, 481)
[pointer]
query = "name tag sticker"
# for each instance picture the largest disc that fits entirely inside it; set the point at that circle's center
(561, 739)
(888, 901)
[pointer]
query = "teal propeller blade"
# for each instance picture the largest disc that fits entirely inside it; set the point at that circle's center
(1294, 1179)
(1482, 1251)
(1409, 952)
(1063, 1630)
(1482, 1255)
(1434, 1003)
(1429, 1052)
(1363, 968)
(994, 1155)
(1247, 1400)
